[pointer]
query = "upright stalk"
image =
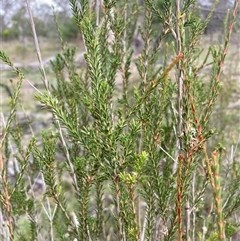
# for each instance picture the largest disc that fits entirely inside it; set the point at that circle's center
(179, 35)
(179, 49)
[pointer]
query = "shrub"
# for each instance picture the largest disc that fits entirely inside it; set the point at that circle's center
(135, 155)
(10, 34)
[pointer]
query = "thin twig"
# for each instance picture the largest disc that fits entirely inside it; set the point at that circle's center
(37, 46)
(97, 10)
(32, 85)
(50, 215)
(167, 153)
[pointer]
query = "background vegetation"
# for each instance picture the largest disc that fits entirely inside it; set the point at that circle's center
(137, 140)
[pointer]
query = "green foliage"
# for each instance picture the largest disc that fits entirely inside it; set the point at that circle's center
(69, 29)
(123, 160)
(10, 34)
